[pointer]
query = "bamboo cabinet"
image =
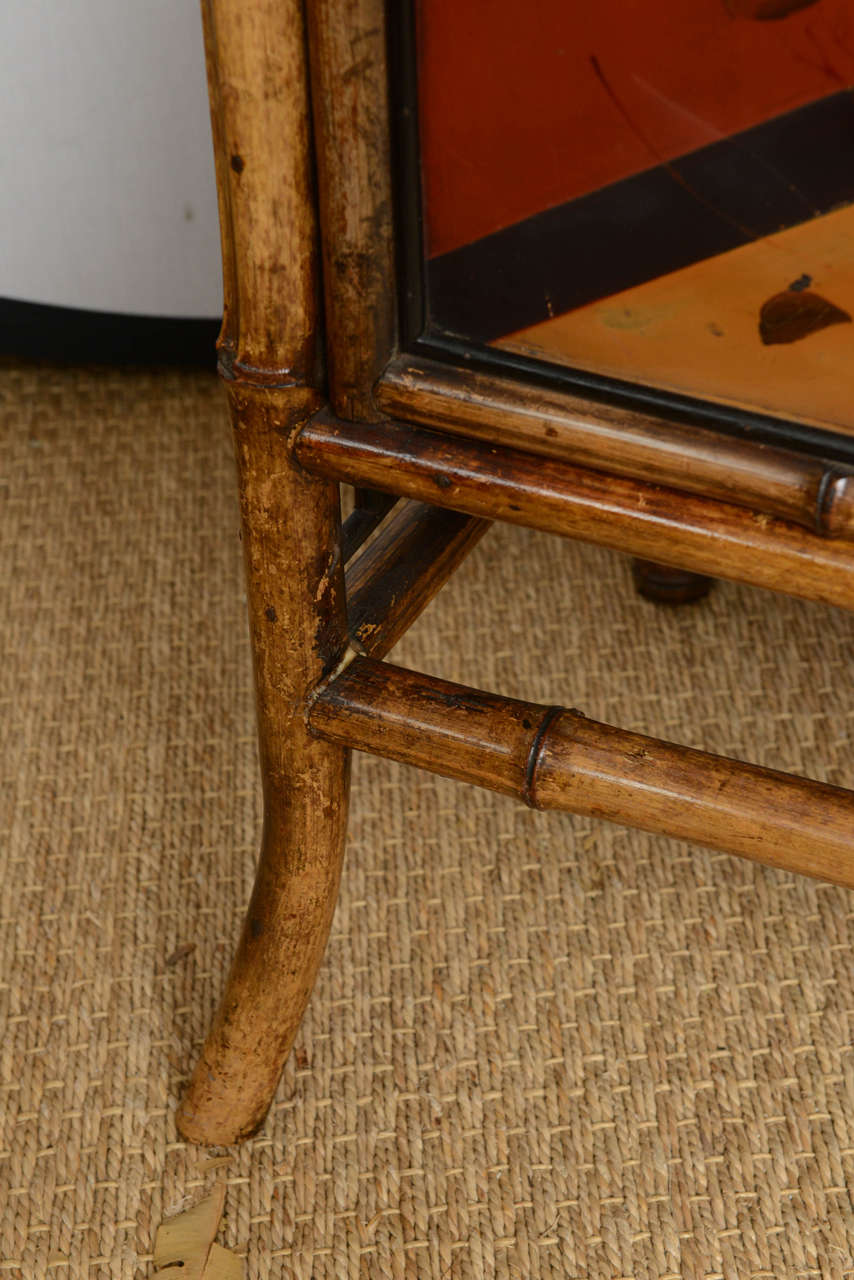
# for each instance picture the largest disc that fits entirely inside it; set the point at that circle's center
(391, 325)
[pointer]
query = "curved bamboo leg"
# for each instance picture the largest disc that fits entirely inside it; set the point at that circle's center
(296, 610)
(269, 355)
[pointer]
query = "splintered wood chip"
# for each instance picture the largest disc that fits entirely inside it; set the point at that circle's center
(184, 1247)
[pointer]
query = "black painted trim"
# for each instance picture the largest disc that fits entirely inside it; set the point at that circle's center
(729, 420)
(406, 170)
(35, 331)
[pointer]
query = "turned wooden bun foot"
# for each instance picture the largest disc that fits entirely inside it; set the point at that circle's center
(663, 585)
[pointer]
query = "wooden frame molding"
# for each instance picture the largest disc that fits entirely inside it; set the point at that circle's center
(555, 758)
(808, 491)
(684, 530)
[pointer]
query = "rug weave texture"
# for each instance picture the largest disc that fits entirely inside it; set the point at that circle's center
(538, 1046)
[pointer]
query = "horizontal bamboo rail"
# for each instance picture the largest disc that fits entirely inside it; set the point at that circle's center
(654, 523)
(809, 491)
(554, 758)
(394, 579)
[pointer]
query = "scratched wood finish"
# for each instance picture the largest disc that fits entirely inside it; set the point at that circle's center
(555, 758)
(809, 491)
(291, 534)
(257, 76)
(226, 340)
(347, 50)
(647, 521)
(396, 577)
(447, 728)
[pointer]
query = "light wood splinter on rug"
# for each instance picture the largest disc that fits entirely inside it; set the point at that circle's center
(185, 1248)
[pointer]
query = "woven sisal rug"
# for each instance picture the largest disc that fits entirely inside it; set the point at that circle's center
(538, 1047)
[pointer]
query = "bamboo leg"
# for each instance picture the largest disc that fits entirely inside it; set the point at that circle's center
(270, 358)
(665, 585)
(296, 611)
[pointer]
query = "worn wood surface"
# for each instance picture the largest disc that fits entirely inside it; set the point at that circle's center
(654, 523)
(776, 818)
(258, 87)
(588, 433)
(447, 728)
(554, 758)
(297, 621)
(294, 574)
(349, 99)
(397, 576)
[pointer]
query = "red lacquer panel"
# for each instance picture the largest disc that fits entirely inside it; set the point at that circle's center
(526, 106)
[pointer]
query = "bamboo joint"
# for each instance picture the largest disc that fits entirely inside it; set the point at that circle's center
(556, 758)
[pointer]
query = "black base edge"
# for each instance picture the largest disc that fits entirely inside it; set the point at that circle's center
(36, 331)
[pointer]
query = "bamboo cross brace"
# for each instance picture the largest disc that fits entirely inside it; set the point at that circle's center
(556, 758)
(392, 580)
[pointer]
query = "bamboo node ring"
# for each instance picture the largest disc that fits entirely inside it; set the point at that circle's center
(831, 491)
(534, 752)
